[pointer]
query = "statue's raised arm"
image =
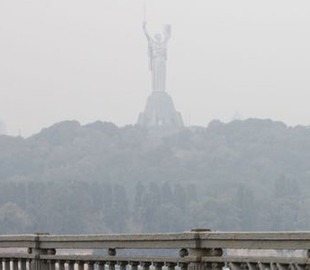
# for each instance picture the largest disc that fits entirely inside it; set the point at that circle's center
(157, 51)
(148, 36)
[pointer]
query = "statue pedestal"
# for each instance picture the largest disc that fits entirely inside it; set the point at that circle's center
(160, 113)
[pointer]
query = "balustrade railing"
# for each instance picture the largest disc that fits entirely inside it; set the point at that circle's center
(197, 250)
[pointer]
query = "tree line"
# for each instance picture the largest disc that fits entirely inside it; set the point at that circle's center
(100, 178)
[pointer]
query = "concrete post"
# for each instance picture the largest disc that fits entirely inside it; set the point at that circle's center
(198, 253)
(36, 263)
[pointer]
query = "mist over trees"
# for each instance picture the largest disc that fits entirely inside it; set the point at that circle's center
(2, 128)
(97, 178)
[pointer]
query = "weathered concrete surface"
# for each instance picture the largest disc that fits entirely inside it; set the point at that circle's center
(199, 250)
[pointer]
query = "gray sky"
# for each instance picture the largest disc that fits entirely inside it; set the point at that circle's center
(87, 60)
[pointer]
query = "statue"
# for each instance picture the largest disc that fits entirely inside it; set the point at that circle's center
(159, 115)
(158, 57)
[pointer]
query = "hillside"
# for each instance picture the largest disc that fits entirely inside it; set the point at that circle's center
(249, 175)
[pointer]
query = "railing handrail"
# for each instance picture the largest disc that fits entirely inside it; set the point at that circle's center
(198, 250)
(230, 240)
(256, 240)
(122, 241)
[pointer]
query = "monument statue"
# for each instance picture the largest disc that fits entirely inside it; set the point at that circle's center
(158, 57)
(160, 115)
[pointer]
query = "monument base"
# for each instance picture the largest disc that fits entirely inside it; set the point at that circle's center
(160, 113)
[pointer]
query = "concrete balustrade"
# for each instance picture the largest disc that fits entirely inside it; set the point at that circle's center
(197, 250)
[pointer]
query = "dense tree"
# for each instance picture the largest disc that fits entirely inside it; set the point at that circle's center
(69, 178)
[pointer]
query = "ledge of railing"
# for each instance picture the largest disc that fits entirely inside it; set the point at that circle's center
(255, 240)
(232, 240)
(121, 241)
(18, 241)
(198, 250)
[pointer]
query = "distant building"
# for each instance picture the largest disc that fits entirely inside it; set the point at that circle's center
(159, 110)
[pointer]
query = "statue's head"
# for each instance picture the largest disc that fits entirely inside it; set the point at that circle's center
(158, 37)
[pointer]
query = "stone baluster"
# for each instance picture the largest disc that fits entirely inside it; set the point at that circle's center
(43, 265)
(217, 266)
(1, 264)
(281, 266)
(158, 265)
(122, 265)
(70, 265)
(243, 266)
(134, 265)
(51, 265)
(251, 266)
(273, 266)
(111, 265)
(23, 264)
(7, 264)
(28, 264)
(261, 266)
(171, 265)
(292, 267)
(61, 265)
(80, 265)
(15, 264)
(183, 266)
(265, 266)
(234, 266)
(299, 267)
(90, 265)
(101, 265)
(145, 265)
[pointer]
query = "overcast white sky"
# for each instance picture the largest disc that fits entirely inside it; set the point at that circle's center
(87, 60)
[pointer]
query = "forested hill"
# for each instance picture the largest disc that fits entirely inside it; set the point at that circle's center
(252, 174)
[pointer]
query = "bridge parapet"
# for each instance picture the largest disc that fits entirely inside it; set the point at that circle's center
(197, 250)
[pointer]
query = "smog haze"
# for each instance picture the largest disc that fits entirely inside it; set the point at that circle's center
(87, 60)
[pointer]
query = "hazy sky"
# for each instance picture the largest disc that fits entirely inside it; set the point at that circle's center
(87, 60)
